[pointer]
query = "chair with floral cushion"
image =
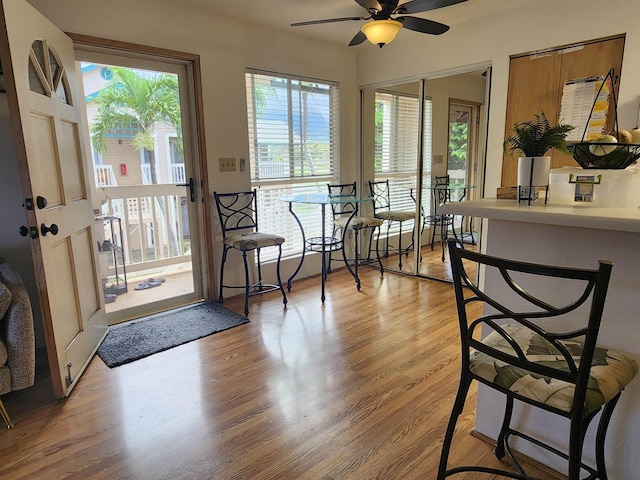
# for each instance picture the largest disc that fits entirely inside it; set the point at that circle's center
(347, 213)
(540, 351)
(238, 213)
(381, 198)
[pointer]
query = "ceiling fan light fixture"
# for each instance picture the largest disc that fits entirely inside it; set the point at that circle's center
(381, 32)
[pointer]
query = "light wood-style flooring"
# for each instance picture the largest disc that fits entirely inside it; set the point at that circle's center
(359, 388)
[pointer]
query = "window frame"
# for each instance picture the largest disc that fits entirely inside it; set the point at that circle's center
(306, 159)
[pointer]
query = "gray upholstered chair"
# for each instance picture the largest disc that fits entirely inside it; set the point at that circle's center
(17, 341)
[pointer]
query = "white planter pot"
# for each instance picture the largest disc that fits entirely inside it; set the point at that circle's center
(536, 177)
(533, 172)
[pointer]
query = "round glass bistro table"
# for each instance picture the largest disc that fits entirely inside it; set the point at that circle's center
(325, 243)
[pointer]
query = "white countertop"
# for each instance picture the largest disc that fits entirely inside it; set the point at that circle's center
(583, 216)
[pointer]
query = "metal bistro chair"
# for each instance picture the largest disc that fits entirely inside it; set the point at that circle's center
(348, 212)
(540, 351)
(238, 214)
(440, 222)
(381, 194)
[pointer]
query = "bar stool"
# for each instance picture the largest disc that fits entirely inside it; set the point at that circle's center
(536, 354)
(381, 194)
(348, 212)
(238, 213)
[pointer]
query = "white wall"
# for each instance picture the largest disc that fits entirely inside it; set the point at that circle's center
(461, 87)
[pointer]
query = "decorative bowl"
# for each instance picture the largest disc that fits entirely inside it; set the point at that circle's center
(592, 155)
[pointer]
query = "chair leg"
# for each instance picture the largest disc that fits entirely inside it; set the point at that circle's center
(499, 448)
(5, 415)
(377, 248)
(433, 233)
(442, 238)
(355, 253)
(386, 247)
(284, 295)
(224, 259)
(576, 442)
(400, 247)
(601, 436)
(458, 405)
(333, 235)
(259, 269)
(246, 283)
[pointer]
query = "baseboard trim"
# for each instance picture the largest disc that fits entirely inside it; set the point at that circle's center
(554, 474)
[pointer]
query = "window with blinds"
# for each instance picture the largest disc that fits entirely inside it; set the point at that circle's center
(294, 148)
(396, 147)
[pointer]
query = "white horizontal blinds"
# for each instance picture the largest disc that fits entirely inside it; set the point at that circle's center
(293, 138)
(427, 153)
(396, 146)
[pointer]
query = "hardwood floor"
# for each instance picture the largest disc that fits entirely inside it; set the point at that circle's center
(359, 388)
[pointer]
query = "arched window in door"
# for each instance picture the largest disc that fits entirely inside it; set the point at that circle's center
(46, 73)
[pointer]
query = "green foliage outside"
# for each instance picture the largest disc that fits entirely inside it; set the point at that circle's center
(458, 137)
(132, 99)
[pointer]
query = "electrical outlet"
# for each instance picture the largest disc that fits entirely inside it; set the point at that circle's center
(228, 164)
(438, 159)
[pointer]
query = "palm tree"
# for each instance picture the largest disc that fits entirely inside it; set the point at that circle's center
(131, 99)
(142, 102)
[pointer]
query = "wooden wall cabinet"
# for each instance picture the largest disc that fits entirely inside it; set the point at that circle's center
(536, 81)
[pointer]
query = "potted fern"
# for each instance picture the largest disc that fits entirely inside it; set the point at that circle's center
(534, 138)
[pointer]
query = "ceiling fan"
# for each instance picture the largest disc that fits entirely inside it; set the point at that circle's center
(382, 28)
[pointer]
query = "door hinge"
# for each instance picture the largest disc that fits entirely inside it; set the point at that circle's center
(69, 378)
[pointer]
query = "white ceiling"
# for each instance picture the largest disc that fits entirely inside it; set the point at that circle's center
(280, 14)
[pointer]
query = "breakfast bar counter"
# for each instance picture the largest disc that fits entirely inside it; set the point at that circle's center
(583, 216)
(573, 236)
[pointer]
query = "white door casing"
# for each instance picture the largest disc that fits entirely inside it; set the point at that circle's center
(46, 118)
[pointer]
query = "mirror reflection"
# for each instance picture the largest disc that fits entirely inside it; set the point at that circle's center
(423, 145)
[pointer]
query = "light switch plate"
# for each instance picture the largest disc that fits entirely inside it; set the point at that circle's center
(228, 164)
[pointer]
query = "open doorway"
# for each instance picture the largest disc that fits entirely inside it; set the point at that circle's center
(463, 161)
(149, 213)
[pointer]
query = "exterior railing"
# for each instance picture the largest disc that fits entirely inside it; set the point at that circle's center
(154, 223)
(104, 176)
(145, 169)
(177, 173)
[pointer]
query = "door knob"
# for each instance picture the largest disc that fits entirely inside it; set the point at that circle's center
(31, 231)
(41, 202)
(53, 229)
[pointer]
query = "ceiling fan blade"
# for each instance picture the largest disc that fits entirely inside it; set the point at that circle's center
(423, 25)
(370, 5)
(358, 39)
(417, 6)
(328, 20)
